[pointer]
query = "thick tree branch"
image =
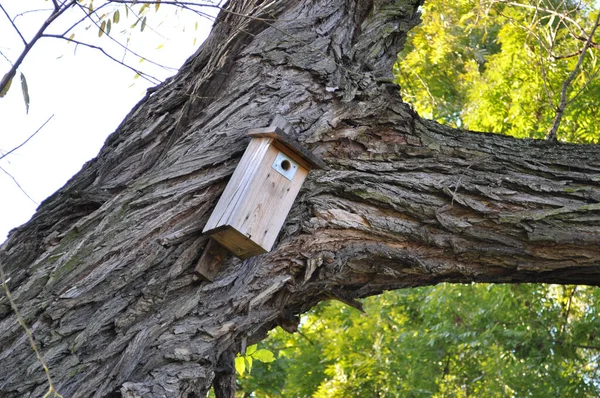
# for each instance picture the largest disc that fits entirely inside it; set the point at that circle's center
(104, 271)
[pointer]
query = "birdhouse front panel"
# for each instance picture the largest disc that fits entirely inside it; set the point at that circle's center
(257, 199)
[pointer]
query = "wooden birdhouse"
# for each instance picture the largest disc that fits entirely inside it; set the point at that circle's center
(259, 195)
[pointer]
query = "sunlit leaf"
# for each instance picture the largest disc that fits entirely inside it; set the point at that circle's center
(248, 360)
(108, 26)
(25, 91)
(250, 350)
(143, 24)
(117, 16)
(240, 365)
(263, 355)
(71, 36)
(102, 27)
(157, 5)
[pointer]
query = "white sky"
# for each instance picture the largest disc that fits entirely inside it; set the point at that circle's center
(88, 94)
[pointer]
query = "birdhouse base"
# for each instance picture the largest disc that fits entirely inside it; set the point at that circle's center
(237, 243)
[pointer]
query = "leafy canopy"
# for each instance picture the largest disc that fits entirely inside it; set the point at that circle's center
(499, 66)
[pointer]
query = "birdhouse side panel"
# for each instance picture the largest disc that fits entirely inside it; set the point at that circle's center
(239, 184)
(269, 201)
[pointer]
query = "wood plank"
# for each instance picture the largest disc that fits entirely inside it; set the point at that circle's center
(213, 256)
(238, 184)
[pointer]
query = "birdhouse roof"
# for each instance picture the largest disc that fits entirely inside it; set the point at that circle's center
(289, 142)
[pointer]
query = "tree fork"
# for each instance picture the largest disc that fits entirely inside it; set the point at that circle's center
(104, 272)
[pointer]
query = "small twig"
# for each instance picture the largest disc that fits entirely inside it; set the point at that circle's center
(13, 24)
(18, 185)
(549, 11)
(51, 390)
(568, 310)
(144, 75)
(28, 138)
(563, 95)
(13, 70)
(82, 19)
(31, 11)
(122, 45)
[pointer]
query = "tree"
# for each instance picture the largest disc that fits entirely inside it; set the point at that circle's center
(103, 273)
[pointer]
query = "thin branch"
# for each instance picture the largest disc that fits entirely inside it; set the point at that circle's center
(30, 11)
(13, 70)
(28, 138)
(144, 75)
(82, 19)
(5, 57)
(51, 390)
(122, 45)
(18, 185)
(13, 24)
(511, 3)
(585, 86)
(563, 95)
(568, 310)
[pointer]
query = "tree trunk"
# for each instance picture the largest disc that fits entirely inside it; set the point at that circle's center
(103, 273)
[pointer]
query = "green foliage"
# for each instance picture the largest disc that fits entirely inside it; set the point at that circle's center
(244, 362)
(449, 340)
(495, 67)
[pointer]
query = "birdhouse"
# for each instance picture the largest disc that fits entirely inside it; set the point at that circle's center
(260, 193)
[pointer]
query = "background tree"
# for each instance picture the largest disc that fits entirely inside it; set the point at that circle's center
(404, 202)
(500, 66)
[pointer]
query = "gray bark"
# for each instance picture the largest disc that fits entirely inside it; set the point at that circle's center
(103, 273)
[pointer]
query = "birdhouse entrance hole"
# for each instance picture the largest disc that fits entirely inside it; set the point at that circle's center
(285, 166)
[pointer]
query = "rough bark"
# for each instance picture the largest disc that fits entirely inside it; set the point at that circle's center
(103, 272)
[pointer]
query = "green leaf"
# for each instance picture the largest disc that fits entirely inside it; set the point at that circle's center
(157, 5)
(248, 363)
(3, 92)
(25, 91)
(102, 27)
(240, 365)
(108, 26)
(251, 349)
(143, 24)
(263, 355)
(71, 37)
(116, 17)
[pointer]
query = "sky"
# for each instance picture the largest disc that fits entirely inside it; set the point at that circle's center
(85, 93)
